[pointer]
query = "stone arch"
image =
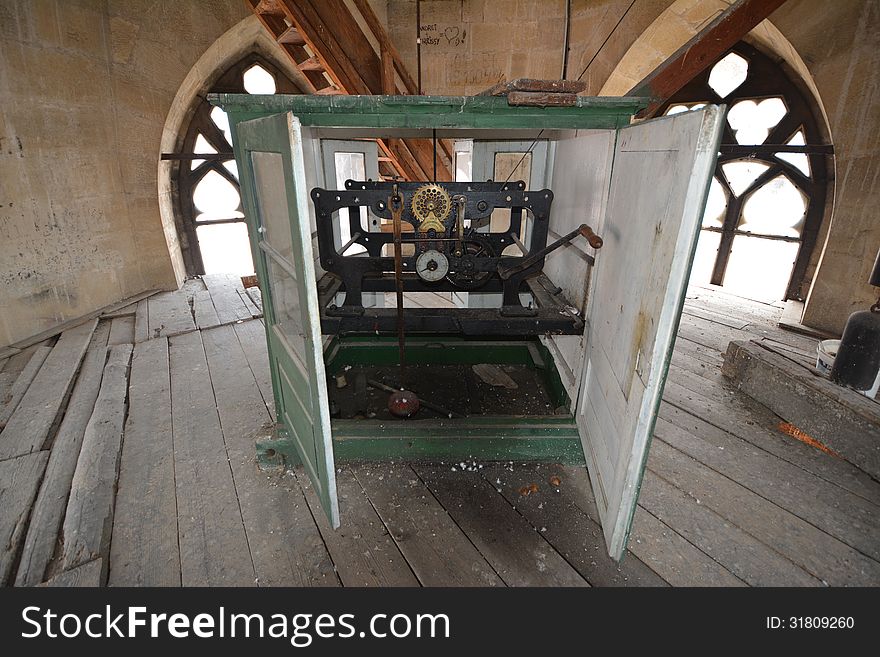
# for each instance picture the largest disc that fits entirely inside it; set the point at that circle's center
(683, 19)
(247, 36)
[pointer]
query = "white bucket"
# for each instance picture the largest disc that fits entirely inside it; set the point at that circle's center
(826, 351)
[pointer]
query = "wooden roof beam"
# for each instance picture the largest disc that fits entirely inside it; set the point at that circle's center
(701, 51)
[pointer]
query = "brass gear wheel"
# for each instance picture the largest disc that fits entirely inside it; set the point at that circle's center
(431, 206)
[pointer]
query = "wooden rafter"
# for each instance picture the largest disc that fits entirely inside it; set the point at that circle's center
(702, 50)
(329, 47)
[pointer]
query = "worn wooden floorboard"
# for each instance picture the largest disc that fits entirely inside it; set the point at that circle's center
(122, 330)
(249, 303)
(30, 426)
(144, 549)
(19, 481)
(86, 575)
(169, 314)
(142, 321)
(850, 518)
(654, 543)
(204, 311)
(12, 368)
(744, 556)
(256, 296)
(362, 550)
(284, 543)
(437, 550)
(21, 384)
(739, 416)
(50, 333)
(717, 300)
(130, 309)
(88, 520)
(516, 550)
(819, 553)
(213, 545)
(574, 534)
(227, 301)
(252, 337)
(715, 316)
(48, 511)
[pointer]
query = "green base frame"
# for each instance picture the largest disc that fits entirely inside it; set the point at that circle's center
(544, 438)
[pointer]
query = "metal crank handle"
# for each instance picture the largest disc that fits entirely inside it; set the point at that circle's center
(594, 240)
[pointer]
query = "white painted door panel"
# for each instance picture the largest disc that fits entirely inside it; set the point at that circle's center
(659, 181)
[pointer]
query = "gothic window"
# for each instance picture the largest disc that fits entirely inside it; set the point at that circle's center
(767, 198)
(211, 218)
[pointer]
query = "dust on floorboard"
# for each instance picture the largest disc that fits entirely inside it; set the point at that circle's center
(728, 499)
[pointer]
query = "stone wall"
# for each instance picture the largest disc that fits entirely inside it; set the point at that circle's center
(86, 86)
(836, 49)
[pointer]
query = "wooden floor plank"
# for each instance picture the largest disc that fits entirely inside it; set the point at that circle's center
(204, 311)
(249, 304)
(213, 546)
(285, 546)
(87, 575)
(850, 518)
(144, 550)
(363, 552)
(28, 430)
(673, 557)
(88, 521)
(130, 309)
(657, 545)
(518, 553)
(750, 560)
(48, 510)
(224, 292)
(574, 534)
(78, 321)
(715, 316)
(740, 416)
(22, 382)
(256, 296)
(252, 337)
(707, 333)
(696, 365)
(819, 553)
(436, 549)
(122, 330)
(12, 368)
(19, 481)
(169, 314)
(142, 321)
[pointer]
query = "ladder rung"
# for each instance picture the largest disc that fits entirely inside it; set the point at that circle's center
(291, 36)
(311, 64)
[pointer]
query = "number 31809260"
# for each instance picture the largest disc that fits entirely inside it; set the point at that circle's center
(811, 623)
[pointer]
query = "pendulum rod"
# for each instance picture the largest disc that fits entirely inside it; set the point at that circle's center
(395, 203)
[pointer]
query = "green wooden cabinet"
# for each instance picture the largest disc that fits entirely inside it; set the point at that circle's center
(642, 186)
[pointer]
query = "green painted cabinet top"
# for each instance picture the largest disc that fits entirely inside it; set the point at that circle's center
(428, 112)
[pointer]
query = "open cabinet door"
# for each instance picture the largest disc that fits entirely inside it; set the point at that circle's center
(659, 182)
(273, 185)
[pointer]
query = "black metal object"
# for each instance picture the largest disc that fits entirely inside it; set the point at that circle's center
(474, 257)
(551, 314)
(858, 357)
